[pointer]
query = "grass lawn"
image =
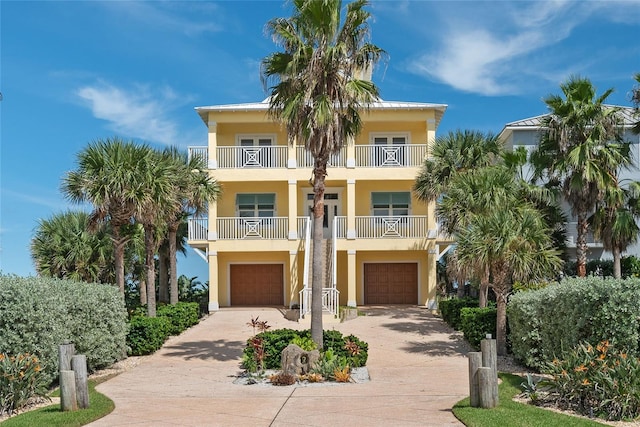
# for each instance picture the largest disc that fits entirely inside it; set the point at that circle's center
(51, 416)
(514, 414)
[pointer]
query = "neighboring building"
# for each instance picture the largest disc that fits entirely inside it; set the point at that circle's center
(527, 132)
(381, 243)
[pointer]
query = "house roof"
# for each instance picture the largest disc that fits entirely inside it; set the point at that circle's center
(378, 105)
(534, 123)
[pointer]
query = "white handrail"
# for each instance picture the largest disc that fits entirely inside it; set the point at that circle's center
(305, 296)
(334, 254)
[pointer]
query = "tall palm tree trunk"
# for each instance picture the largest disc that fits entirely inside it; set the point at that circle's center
(163, 275)
(319, 172)
(484, 290)
(173, 268)
(617, 268)
(501, 323)
(581, 245)
(118, 253)
(150, 246)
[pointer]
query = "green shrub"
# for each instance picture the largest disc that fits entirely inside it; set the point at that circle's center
(21, 379)
(147, 334)
(351, 348)
(598, 381)
(545, 323)
(476, 323)
(450, 309)
(329, 363)
(181, 315)
(37, 314)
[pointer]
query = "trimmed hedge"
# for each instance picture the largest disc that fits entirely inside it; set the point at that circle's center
(547, 322)
(476, 323)
(37, 314)
(450, 309)
(181, 315)
(147, 334)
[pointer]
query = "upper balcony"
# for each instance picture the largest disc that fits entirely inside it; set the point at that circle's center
(278, 157)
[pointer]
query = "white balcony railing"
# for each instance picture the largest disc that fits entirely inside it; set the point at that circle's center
(572, 236)
(404, 155)
(276, 156)
(253, 228)
(198, 228)
(384, 227)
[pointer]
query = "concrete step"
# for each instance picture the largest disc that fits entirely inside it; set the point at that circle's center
(328, 319)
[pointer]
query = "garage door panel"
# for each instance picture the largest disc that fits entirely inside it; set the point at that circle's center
(257, 284)
(391, 283)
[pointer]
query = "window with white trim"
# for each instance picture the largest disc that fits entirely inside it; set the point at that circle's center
(395, 203)
(256, 151)
(259, 205)
(390, 149)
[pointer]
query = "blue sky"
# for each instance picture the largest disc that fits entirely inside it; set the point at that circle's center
(75, 71)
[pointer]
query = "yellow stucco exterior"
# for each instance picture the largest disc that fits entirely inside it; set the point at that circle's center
(372, 216)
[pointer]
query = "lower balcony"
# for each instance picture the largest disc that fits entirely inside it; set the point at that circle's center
(241, 228)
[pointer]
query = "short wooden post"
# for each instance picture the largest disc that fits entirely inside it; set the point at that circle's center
(486, 383)
(68, 400)
(475, 362)
(65, 352)
(490, 360)
(79, 366)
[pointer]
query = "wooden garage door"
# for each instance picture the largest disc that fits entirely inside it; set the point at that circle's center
(257, 284)
(391, 283)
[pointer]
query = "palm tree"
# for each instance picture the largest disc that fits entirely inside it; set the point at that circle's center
(108, 177)
(614, 221)
(514, 243)
(318, 94)
(194, 189)
(453, 154)
(635, 98)
(63, 247)
(579, 150)
(160, 188)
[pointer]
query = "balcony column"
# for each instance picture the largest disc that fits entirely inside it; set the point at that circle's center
(351, 209)
(429, 292)
(431, 135)
(212, 151)
(351, 153)
(351, 278)
(212, 221)
(292, 148)
(214, 303)
(294, 295)
(293, 210)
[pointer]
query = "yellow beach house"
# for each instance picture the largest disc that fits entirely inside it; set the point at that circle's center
(381, 244)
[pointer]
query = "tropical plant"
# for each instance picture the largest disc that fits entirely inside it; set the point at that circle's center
(63, 247)
(318, 93)
(579, 151)
(614, 221)
(453, 154)
(108, 177)
(194, 189)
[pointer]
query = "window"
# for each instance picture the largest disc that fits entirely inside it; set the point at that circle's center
(389, 150)
(390, 203)
(255, 150)
(256, 205)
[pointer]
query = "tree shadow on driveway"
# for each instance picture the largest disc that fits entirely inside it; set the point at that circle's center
(221, 350)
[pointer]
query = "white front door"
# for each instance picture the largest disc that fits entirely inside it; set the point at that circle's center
(331, 210)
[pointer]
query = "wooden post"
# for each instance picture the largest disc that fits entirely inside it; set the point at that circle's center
(65, 352)
(68, 401)
(79, 366)
(475, 362)
(486, 383)
(490, 360)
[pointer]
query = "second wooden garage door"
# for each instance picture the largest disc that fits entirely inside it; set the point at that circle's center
(257, 284)
(391, 283)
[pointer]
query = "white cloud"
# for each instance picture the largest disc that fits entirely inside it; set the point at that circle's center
(488, 47)
(140, 112)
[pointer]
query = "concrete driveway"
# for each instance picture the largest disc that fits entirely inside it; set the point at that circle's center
(417, 365)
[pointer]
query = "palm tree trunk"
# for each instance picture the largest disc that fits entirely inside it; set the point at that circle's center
(581, 245)
(617, 268)
(484, 290)
(163, 276)
(143, 290)
(501, 323)
(118, 252)
(173, 268)
(316, 281)
(149, 242)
